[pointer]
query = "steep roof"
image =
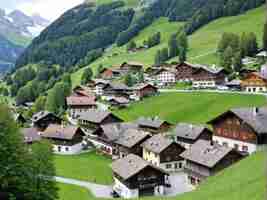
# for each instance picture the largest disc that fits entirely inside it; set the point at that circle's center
(40, 115)
(150, 122)
(188, 131)
(143, 85)
(131, 137)
(157, 143)
(254, 117)
(30, 135)
(59, 132)
(202, 152)
(95, 116)
(131, 165)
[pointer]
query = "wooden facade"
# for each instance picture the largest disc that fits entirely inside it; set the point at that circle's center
(254, 82)
(44, 122)
(184, 72)
(146, 91)
(164, 127)
(206, 134)
(202, 74)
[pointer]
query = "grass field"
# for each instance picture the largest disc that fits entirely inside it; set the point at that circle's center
(73, 192)
(188, 107)
(88, 167)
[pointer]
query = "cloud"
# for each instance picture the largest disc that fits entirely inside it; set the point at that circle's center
(50, 9)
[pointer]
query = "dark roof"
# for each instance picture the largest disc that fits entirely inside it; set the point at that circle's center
(254, 117)
(212, 70)
(118, 86)
(131, 137)
(150, 122)
(131, 165)
(40, 115)
(114, 130)
(188, 131)
(143, 85)
(81, 101)
(60, 132)
(157, 143)
(120, 100)
(95, 116)
(30, 135)
(203, 153)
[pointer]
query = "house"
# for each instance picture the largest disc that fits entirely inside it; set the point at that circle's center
(93, 119)
(133, 67)
(244, 129)
(116, 90)
(130, 142)
(119, 102)
(83, 91)
(206, 77)
(111, 73)
(104, 138)
(254, 82)
(144, 90)
(134, 177)
(99, 85)
(188, 134)
(165, 76)
(234, 84)
(163, 153)
(43, 119)
(184, 71)
(31, 135)
(205, 159)
(153, 125)
(65, 139)
(79, 104)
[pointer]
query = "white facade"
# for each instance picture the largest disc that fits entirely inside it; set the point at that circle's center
(255, 89)
(124, 191)
(101, 145)
(99, 90)
(68, 150)
(237, 144)
(204, 84)
(166, 77)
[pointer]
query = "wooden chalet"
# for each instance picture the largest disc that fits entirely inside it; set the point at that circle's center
(43, 119)
(165, 76)
(134, 177)
(79, 104)
(205, 159)
(83, 91)
(244, 129)
(153, 125)
(31, 135)
(254, 82)
(99, 85)
(133, 67)
(130, 141)
(206, 77)
(188, 134)
(143, 90)
(65, 139)
(163, 153)
(116, 90)
(119, 102)
(109, 73)
(184, 71)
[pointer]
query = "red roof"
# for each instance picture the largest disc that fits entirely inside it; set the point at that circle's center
(81, 101)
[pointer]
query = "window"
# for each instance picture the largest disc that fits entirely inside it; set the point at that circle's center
(225, 144)
(245, 148)
(59, 148)
(236, 146)
(168, 166)
(67, 149)
(180, 165)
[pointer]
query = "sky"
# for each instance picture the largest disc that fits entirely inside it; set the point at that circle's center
(49, 9)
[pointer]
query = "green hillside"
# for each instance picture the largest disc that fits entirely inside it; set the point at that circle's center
(202, 43)
(188, 107)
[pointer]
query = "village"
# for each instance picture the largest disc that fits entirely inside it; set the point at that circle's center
(152, 156)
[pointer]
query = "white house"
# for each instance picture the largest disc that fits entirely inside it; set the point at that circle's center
(165, 76)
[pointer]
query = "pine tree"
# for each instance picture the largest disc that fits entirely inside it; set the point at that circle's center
(87, 76)
(227, 59)
(131, 45)
(129, 81)
(157, 59)
(182, 54)
(237, 62)
(244, 45)
(99, 70)
(264, 39)
(141, 77)
(173, 47)
(164, 54)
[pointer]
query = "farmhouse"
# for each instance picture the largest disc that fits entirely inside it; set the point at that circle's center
(163, 153)
(254, 82)
(111, 73)
(65, 139)
(43, 119)
(134, 177)
(244, 129)
(116, 90)
(129, 142)
(187, 134)
(144, 90)
(93, 119)
(205, 159)
(77, 105)
(99, 85)
(82, 91)
(165, 76)
(31, 135)
(205, 77)
(134, 67)
(153, 125)
(119, 102)
(184, 71)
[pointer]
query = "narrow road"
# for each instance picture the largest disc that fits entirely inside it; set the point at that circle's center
(99, 191)
(201, 55)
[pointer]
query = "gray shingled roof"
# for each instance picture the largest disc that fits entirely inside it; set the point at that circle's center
(95, 116)
(130, 166)
(58, 132)
(131, 137)
(36, 117)
(157, 143)
(256, 119)
(150, 122)
(188, 131)
(30, 135)
(202, 152)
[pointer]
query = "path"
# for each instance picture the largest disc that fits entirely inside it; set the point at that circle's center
(202, 55)
(99, 191)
